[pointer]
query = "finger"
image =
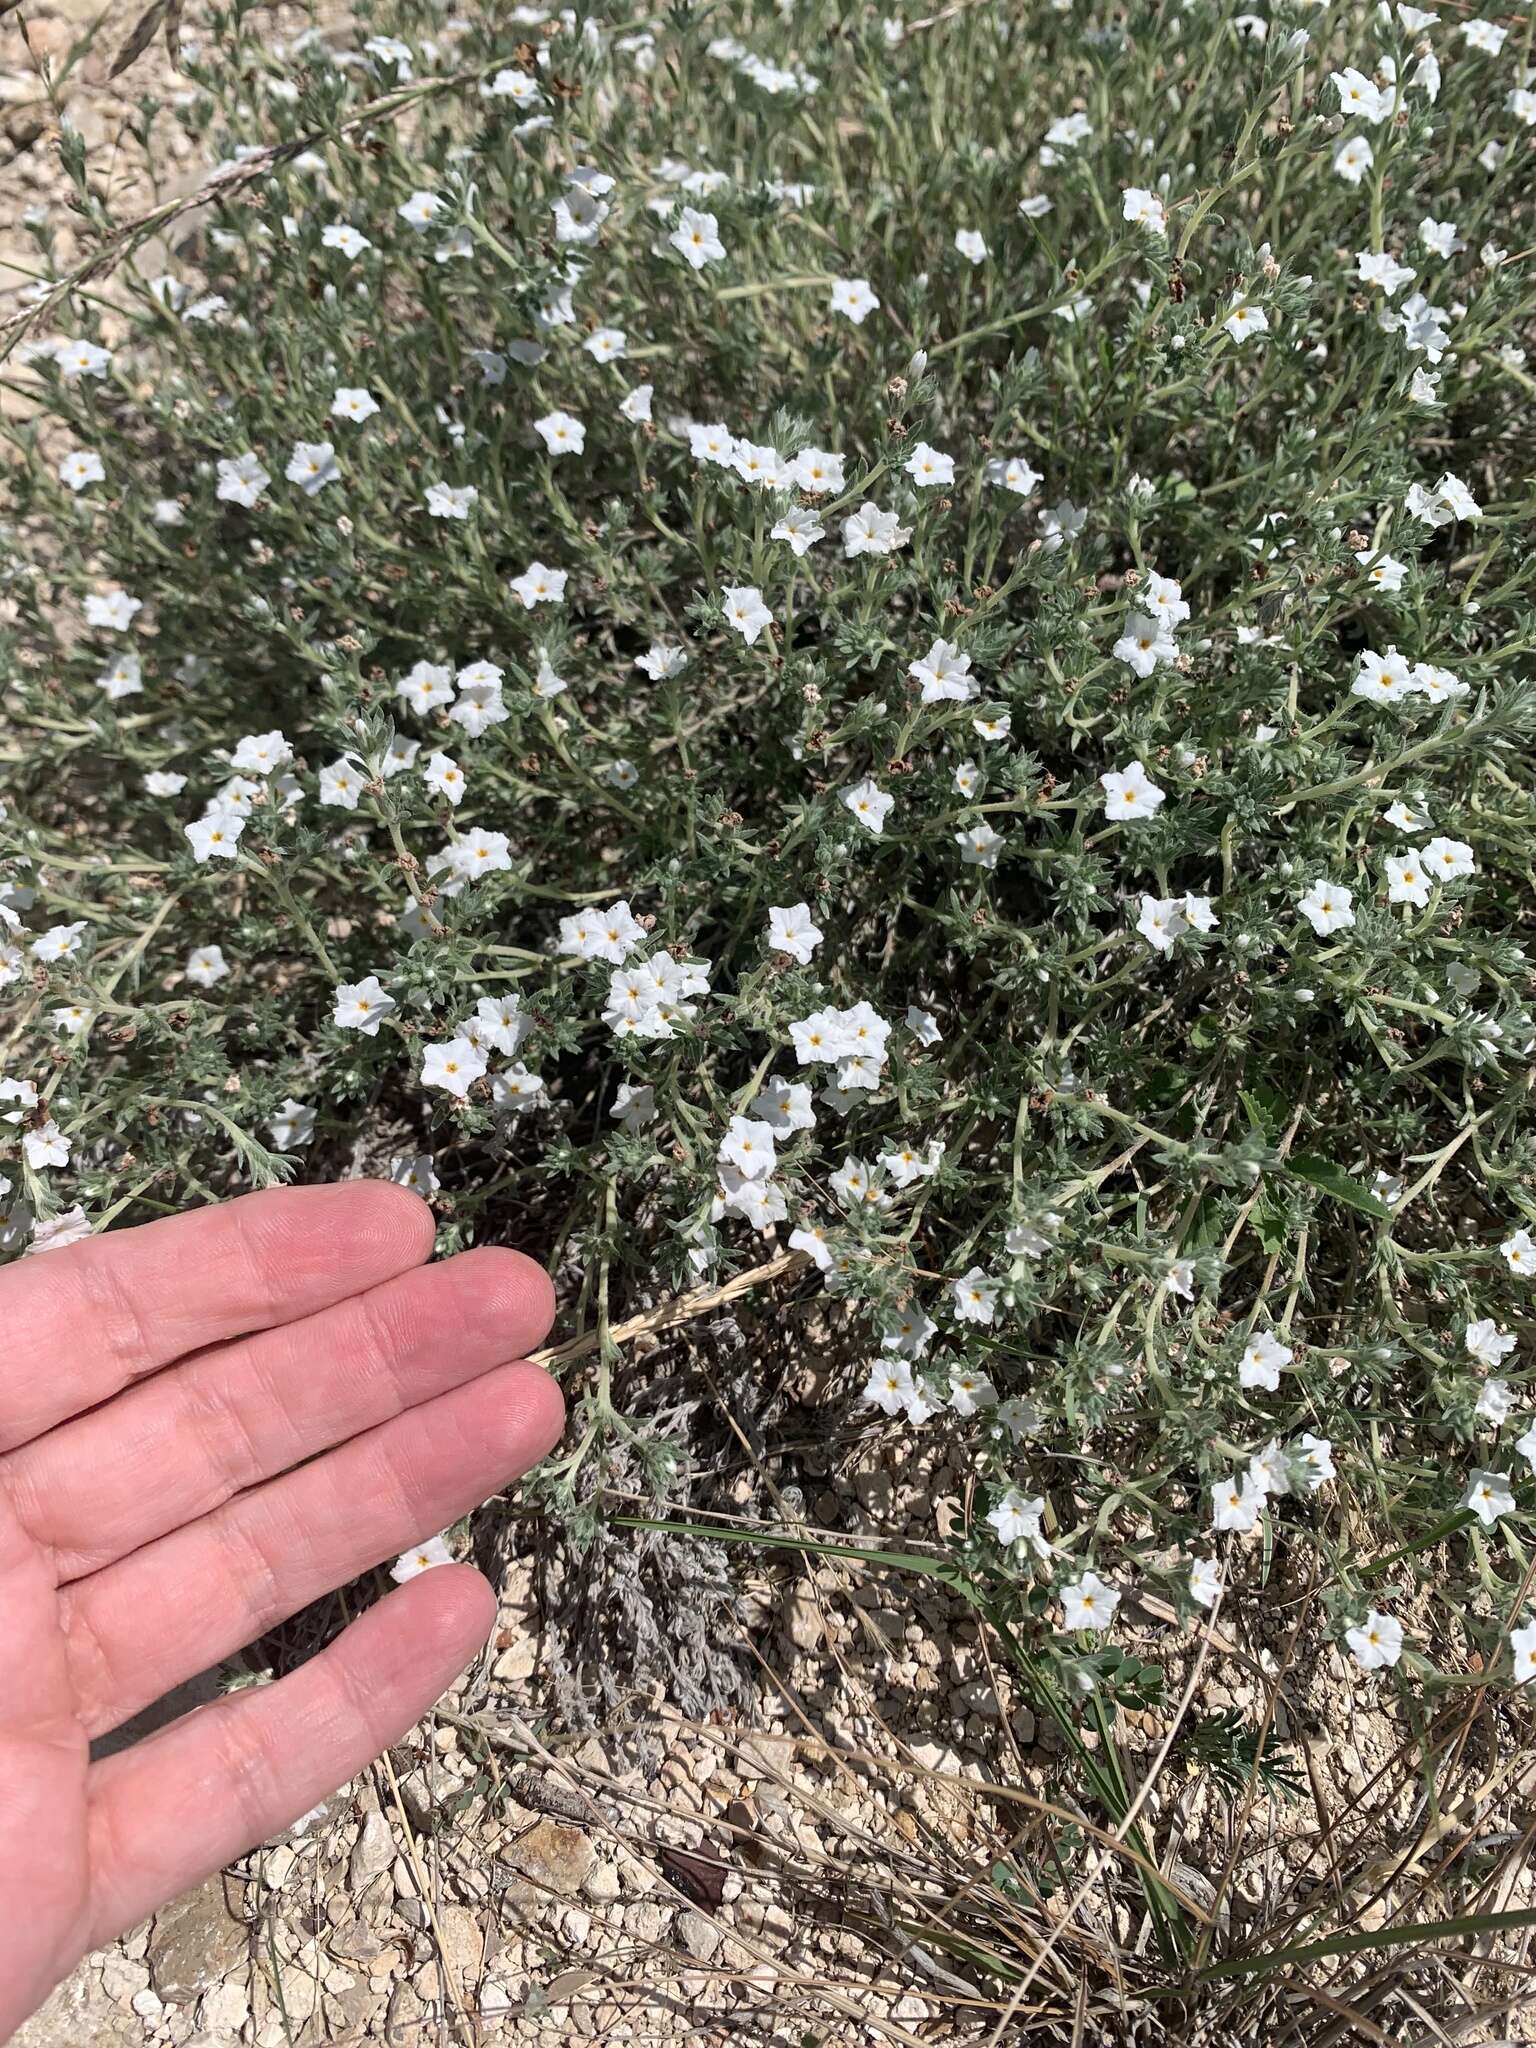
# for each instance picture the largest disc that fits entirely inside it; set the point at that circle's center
(83, 1322)
(183, 1442)
(186, 1801)
(178, 1605)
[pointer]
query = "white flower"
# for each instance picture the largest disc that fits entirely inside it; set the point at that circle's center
(1377, 1642)
(975, 1296)
(44, 1146)
(206, 965)
(1488, 1495)
(421, 209)
(262, 753)
(1012, 473)
(801, 527)
(1144, 209)
(970, 1392)
(1161, 921)
(1493, 1403)
(1406, 817)
(1359, 96)
(905, 1166)
(1245, 320)
(77, 359)
(497, 1022)
(756, 463)
(1353, 158)
(123, 677)
(341, 784)
(812, 1240)
(1088, 1603)
(944, 673)
(216, 836)
(1263, 1356)
(445, 778)
(1520, 1253)
(853, 298)
(1488, 1344)
(791, 930)
(312, 466)
(363, 1006)
(59, 942)
(1487, 36)
(1327, 907)
(661, 661)
(1383, 678)
(451, 501)
(634, 1105)
(454, 1067)
(1130, 793)
(76, 1022)
(611, 934)
(748, 1145)
(1314, 1462)
(869, 804)
(1448, 859)
(1145, 643)
(1374, 266)
(476, 853)
(869, 531)
(970, 245)
(636, 404)
(1522, 1650)
(338, 235)
(423, 1558)
(890, 1385)
(1205, 1581)
(1061, 524)
(929, 466)
(979, 846)
(81, 467)
(1237, 1503)
(1017, 1519)
(113, 609)
(1385, 571)
(1407, 881)
(745, 612)
(241, 479)
(353, 402)
(539, 585)
(816, 472)
(561, 434)
(1449, 500)
(697, 239)
(293, 1125)
(415, 1170)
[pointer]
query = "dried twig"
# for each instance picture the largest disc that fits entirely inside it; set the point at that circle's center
(685, 1308)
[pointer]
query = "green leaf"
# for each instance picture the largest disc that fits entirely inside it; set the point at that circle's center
(1333, 1180)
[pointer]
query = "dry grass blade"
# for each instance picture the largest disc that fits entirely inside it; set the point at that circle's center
(139, 40)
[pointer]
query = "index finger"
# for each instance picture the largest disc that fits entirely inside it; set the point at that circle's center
(83, 1322)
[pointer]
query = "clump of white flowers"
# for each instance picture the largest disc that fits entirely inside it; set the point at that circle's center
(983, 767)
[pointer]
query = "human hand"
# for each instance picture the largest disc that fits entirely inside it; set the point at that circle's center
(161, 1390)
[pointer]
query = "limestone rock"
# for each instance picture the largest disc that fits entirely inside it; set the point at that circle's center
(195, 1944)
(553, 1857)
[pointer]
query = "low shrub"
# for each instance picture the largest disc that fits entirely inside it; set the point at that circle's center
(889, 656)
